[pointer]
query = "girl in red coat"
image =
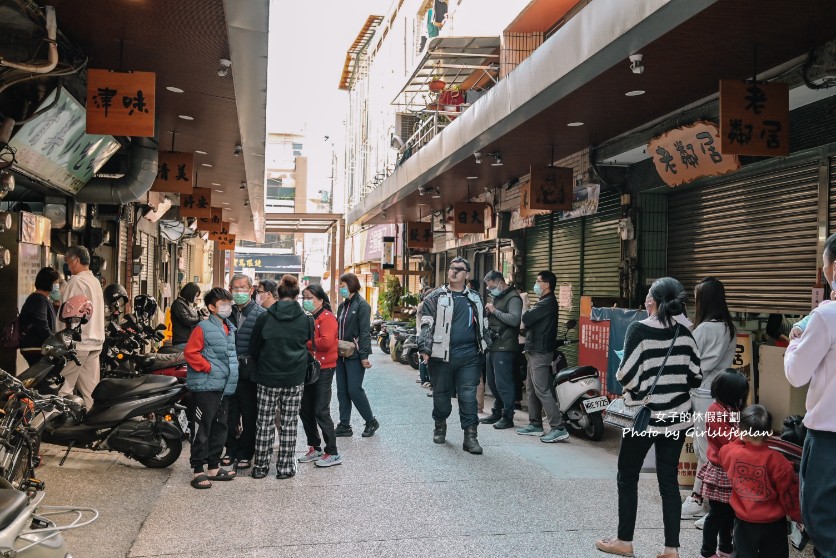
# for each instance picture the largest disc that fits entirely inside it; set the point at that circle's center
(316, 399)
(729, 391)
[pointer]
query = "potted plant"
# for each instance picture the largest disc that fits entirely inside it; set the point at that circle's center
(437, 84)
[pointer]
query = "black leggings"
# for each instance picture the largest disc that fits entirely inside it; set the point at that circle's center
(719, 522)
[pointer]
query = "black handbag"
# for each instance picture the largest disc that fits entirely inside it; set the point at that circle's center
(312, 371)
(636, 417)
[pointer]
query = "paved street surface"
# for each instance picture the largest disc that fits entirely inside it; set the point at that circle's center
(397, 494)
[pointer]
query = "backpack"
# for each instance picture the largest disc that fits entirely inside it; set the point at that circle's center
(10, 334)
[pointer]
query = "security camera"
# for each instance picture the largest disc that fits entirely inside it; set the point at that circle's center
(478, 157)
(246, 203)
(636, 65)
(225, 65)
(243, 186)
(238, 149)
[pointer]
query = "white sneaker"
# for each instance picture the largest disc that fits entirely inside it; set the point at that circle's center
(312, 455)
(700, 524)
(691, 508)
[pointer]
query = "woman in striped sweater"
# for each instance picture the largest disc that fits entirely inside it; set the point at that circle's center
(645, 346)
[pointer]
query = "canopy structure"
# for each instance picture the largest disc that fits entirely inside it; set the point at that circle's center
(288, 223)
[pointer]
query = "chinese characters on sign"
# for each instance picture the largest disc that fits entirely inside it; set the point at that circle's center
(754, 118)
(224, 230)
(468, 218)
(549, 189)
(197, 204)
(247, 262)
(226, 242)
(174, 173)
(419, 234)
(121, 103)
(212, 224)
(685, 154)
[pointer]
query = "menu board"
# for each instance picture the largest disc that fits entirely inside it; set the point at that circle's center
(29, 264)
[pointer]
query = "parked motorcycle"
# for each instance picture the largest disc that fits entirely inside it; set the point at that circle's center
(578, 392)
(410, 350)
(383, 335)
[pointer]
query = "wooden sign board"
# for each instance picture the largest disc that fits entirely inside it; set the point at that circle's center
(121, 103)
(419, 234)
(548, 189)
(211, 224)
(685, 154)
(469, 218)
(754, 118)
(197, 204)
(216, 236)
(175, 173)
(226, 242)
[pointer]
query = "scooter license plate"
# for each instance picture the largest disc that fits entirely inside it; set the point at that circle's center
(596, 404)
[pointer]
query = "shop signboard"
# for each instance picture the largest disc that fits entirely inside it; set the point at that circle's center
(754, 118)
(269, 263)
(519, 222)
(743, 359)
(213, 223)
(387, 257)
(175, 173)
(548, 189)
(216, 236)
(55, 147)
(419, 234)
(226, 242)
(564, 298)
(121, 103)
(469, 218)
(584, 201)
(197, 204)
(685, 154)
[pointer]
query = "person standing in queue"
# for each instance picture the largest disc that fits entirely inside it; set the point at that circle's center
(354, 320)
(455, 355)
(83, 283)
(37, 317)
(266, 294)
(316, 399)
(540, 342)
(243, 405)
(184, 315)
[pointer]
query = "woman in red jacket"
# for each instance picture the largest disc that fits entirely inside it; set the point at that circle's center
(316, 399)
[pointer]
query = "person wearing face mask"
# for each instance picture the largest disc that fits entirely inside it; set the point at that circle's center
(243, 405)
(316, 399)
(184, 315)
(37, 317)
(212, 377)
(266, 294)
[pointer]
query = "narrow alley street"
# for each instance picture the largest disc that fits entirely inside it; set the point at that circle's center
(397, 494)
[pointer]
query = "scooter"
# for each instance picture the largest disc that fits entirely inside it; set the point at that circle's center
(410, 351)
(578, 392)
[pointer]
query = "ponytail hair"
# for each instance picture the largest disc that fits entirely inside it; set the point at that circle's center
(669, 296)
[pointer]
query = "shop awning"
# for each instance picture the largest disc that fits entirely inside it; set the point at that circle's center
(301, 222)
(454, 60)
(358, 46)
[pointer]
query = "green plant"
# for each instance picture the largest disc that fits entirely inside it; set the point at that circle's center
(409, 299)
(390, 296)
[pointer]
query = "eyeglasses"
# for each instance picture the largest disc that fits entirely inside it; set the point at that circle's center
(241, 290)
(458, 269)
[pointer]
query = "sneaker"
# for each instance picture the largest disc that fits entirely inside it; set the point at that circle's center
(700, 523)
(504, 423)
(555, 435)
(530, 430)
(312, 455)
(343, 431)
(329, 460)
(371, 428)
(692, 508)
(427, 385)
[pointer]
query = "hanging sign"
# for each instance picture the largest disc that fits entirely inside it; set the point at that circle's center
(565, 296)
(743, 360)
(548, 189)
(685, 154)
(175, 173)
(584, 201)
(419, 234)
(217, 235)
(754, 118)
(213, 223)
(387, 259)
(469, 218)
(226, 242)
(197, 204)
(121, 103)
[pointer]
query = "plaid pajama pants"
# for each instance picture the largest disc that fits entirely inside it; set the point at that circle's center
(283, 403)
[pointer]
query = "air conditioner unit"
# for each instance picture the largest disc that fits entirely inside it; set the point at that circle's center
(405, 125)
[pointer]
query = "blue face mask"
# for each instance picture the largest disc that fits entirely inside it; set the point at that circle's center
(537, 290)
(308, 306)
(55, 294)
(495, 292)
(344, 292)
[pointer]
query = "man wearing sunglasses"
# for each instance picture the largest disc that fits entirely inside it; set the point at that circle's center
(453, 340)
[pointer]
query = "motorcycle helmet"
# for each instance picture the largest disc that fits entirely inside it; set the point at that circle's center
(145, 305)
(114, 294)
(77, 307)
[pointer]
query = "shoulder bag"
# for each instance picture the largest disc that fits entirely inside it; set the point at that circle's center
(312, 371)
(10, 334)
(636, 417)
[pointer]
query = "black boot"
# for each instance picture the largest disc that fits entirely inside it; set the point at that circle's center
(491, 419)
(471, 444)
(440, 432)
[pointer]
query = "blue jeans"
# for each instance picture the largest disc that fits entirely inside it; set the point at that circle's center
(422, 370)
(500, 368)
(457, 375)
(350, 374)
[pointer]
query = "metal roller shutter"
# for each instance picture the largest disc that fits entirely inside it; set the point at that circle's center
(756, 233)
(537, 250)
(602, 248)
(566, 263)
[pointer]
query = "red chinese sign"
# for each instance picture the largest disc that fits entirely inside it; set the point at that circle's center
(469, 218)
(549, 189)
(419, 234)
(121, 103)
(175, 173)
(197, 204)
(685, 154)
(754, 118)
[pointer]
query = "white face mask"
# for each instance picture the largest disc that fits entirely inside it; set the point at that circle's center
(224, 309)
(259, 298)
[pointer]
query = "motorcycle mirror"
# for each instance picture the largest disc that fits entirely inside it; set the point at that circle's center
(571, 324)
(161, 327)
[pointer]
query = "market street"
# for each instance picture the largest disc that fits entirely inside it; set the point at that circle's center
(397, 494)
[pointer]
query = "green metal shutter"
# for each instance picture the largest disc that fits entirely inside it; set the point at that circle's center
(602, 248)
(566, 264)
(755, 233)
(832, 197)
(537, 254)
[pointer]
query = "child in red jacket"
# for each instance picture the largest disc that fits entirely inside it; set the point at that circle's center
(729, 391)
(764, 488)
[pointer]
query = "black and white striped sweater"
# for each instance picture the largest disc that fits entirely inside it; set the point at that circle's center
(645, 348)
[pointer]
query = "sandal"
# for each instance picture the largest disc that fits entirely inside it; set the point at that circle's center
(243, 464)
(200, 481)
(227, 460)
(615, 546)
(223, 475)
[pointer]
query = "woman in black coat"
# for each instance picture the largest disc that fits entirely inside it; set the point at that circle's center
(184, 315)
(37, 317)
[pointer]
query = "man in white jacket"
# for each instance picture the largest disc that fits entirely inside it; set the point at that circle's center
(84, 283)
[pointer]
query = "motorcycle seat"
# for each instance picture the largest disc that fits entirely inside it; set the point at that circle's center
(117, 388)
(158, 361)
(12, 503)
(575, 373)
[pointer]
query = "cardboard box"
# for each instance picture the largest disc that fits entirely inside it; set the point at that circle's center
(774, 391)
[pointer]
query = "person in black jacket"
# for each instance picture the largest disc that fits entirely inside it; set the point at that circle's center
(540, 342)
(354, 320)
(37, 317)
(184, 315)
